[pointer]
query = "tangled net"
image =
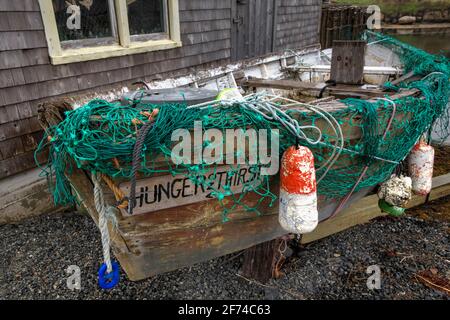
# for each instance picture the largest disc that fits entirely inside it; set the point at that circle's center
(100, 136)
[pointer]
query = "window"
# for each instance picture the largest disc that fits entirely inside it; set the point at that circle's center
(80, 30)
(147, 18)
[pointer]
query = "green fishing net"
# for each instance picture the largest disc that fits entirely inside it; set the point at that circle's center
(100, 137)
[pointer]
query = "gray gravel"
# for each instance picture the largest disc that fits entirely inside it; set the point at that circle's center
(35, 254)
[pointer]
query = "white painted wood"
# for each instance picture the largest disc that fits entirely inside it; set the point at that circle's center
(122, 23)
(50, 28)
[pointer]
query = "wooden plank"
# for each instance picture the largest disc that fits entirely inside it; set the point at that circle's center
(167, 191)
(276, 20)
(367, 209)
(27, 110)
(22, 5)
(19, 163)
(281, 84)
(194, 27)
(358, 213)
(18, 76)
(182, 247)
(249, 23)
(196, 38)
(255, 18)
(203, 5)
(354, 91)
(20, 21)
(17, 128)
(8, 114)
(203, 15)
(24, 196)
(347, 64)
(299, 85)
(11, 147)
(6, 79)
(31, 141)
(375, 70)
(205, 214)
(22, 58)
(259, 262)
(403, 78)
(14, 40)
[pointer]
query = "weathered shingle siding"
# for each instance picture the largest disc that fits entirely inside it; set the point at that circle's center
(19, 5)
(297, 23)
(27, 77)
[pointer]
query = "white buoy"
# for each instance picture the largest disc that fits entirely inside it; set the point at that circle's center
(298, 199)
(396, 191)
(420, 166)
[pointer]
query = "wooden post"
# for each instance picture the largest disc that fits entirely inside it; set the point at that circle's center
(347, 65)
(261, 262)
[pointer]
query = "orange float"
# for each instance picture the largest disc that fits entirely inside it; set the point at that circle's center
(298, 197)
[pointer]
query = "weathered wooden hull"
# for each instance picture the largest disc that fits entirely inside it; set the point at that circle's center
(159, 241)
(166, 240)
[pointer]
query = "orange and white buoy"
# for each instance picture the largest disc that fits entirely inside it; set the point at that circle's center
(298, 199)
(420, 167)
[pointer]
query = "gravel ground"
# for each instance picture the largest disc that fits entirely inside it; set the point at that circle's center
(35, 254)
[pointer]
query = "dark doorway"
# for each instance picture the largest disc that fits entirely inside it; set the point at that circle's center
(252, 28)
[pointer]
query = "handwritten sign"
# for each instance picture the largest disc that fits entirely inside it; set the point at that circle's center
(163, 192)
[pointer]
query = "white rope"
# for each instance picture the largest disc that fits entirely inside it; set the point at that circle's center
(259, 104)
(263, 104)
(431, 74)
(105, 213)
(334, 125)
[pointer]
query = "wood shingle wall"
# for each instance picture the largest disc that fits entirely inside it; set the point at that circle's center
(297, 24)
(27, 77)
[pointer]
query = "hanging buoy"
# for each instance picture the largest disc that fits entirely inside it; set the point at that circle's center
(420, 166)
(396, 191)
(298, 199)
(394, 194)
(229, 94)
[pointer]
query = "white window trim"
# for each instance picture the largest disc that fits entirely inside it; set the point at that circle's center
(125, 45)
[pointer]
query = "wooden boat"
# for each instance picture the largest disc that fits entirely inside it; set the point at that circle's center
(186, 230)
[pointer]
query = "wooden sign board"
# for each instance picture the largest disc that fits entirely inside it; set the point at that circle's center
(167, 191)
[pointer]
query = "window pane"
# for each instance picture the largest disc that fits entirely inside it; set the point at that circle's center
(146, 16)
(82, 19)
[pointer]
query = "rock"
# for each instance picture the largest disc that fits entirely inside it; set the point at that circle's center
(433, 16)
(446, 14)
(407, 20)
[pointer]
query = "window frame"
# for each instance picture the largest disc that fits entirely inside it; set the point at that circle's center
(127, 44)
